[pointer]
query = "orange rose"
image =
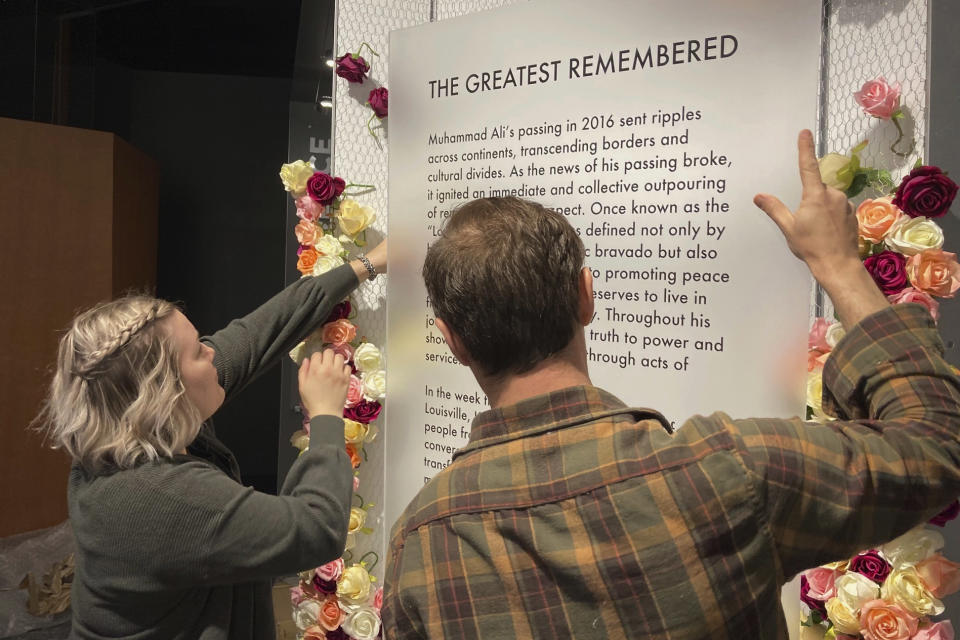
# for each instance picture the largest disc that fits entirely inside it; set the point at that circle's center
(940, 575)
(882, 621)
(307, 259)
(314, 633)
(354, 455)
(339, 331)
(934, 271)
(876, 217)
(307, 232)
(331, 615)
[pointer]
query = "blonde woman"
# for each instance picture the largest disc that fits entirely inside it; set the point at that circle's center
(170, 545)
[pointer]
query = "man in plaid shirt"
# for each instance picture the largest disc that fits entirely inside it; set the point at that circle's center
(569, 514)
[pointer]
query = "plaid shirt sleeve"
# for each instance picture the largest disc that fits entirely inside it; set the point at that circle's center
(889, 463)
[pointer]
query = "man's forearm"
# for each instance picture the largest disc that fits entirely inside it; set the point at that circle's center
(851, 289)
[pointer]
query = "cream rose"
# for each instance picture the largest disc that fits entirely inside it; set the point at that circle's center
(362, 623)
(306, 613)
(843, 618)
(834, 335)
(855, 589)
(294, 176)
(300, 439)
(354, 585)
(354, 218)
(906, 588)
(328, 246)
(354, 432)
(835, 171)
(815, 396)
(367, 357)
(374, 384)
(910, 236)
(358, 517)
(912, 547)
(326, 263)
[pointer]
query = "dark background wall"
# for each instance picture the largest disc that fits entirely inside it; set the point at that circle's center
(204, 88)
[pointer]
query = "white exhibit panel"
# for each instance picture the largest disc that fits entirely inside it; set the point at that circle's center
(650, 127)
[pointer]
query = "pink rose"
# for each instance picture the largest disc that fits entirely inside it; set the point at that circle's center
(821, 581)
(356, 483)
(937, 631)
(926, 191)
(324, 188)
(354, 392)
(352, 68)
(378, 102)
(331, 570)
(882, 621)
(940, 575)
(309, 209)
(819, 606)
(818, 335)
(378, 599)
(948, 514)
(307, 233)
(296, 596)
(878, 98)
(934, 271)
(917, 297)
(343, 349)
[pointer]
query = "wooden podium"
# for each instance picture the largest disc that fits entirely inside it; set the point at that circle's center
(78, 225)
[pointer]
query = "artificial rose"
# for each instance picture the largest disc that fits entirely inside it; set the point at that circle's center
(911, 295)
(354, 432)
(352, 68)
(816, 360)
(925, 191)
(378, 102)
(307, 233)
(300, 439)
(354, 452)
(942, 630)
(940, 575)
(331, 570)
(854, 590)
(906, 588)
(337, 634)
(339, 331)
(872, 565)
(316, 632)
(815, 396)
(374, 384)
(353, 217)
(878, 98)
(331, 615)
(821, 583)
(363, 623)
(912, 547)
(305, 614)
(836, 171)
(934, 271)
(342, 310)
(358, 517)
(307, 261)
(367, 357)
(365, 412)
(354, 391)
(354, 585)
(294, 176)
(910, 236)
(948, 514)
(328, 246)
(296, 596)
(356, 483)
(817, 338)
(308, 209)
(344, 350)
(325, 587)
(835, 333)
(324, 188)
(807, 599)
(378, 599)
(326, 263)
(843, 619)
(882, 621)
(888, 270)
(875, 218)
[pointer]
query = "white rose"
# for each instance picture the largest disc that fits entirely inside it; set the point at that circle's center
(906, 588)
(308, 347)
(835, 333)
(912, 547)
(306, 613)
(326, 263)
(844, 619)
(833, 164)
(328, 246)
(374, 384)
(367, 357)
(854, 590)
(363, 623)
(911, 236)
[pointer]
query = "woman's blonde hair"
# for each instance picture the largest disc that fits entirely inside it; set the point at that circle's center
(116, 399)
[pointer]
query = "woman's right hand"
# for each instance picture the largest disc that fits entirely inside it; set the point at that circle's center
(324, 379)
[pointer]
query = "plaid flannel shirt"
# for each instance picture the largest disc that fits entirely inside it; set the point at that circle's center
(571, 515)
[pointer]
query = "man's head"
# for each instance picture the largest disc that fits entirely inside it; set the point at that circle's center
(505, 278)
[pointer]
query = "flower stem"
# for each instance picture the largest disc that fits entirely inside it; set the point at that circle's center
(376, 559)
(370, 129)
(360, 49)
(364, 188)
(357, 495)
(893, 147)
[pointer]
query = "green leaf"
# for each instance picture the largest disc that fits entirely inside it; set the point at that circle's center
(897, 115)
(859, 184)
(860, 147)
(918, 163)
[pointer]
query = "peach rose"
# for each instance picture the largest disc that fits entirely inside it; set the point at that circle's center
(876, 217)
(940, 575)
(339, 331)
(934, 271)
(331, 615)
(911, 295)
(354, 392)
(937, 631)
(307, 232)
(882, 621)
(308, 257)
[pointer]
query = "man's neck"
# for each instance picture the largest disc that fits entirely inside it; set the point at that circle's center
(566, 369)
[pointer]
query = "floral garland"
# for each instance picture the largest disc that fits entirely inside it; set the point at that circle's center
(354, 69)
(890, 593)
(337, 601)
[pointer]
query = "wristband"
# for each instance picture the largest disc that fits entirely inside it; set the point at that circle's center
(369, 267)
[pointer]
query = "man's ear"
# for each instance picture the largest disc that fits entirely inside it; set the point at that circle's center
(585, 302)
(454, 342)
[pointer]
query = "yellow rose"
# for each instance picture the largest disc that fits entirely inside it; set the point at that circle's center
(815, 396)
(905, 587)
(300, 439)
(354, 432)
(915, 545)
(367, 357)
(835, 171)
(354, 585)
(911, 236)
(354, 218)
(843, 619)
(357, 517)
(295, 175)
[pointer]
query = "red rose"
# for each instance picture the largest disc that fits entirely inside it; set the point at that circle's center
(324, 586)
(948, 514)
(352, 68)
(871, 565)
(324, 188)
(341, 311)
(926, 191)
(378, 102)
(889, 271)
(364, 411)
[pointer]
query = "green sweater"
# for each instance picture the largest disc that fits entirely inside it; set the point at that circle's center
(179, 549)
